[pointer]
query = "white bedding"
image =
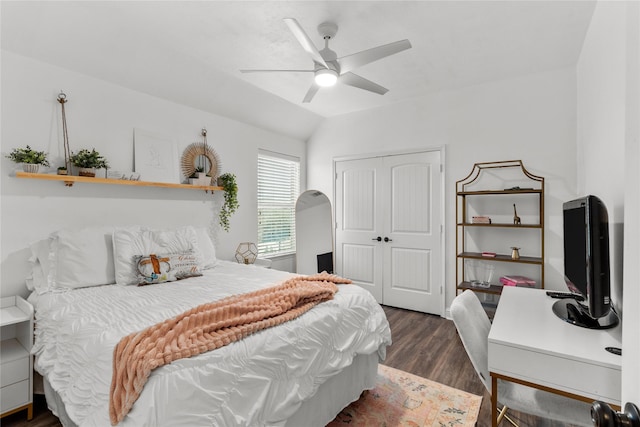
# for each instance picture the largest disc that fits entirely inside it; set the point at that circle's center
(261, 380)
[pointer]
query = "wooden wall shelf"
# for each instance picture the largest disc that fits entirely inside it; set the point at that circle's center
(470, 224)
(70, 180)
(503, 258)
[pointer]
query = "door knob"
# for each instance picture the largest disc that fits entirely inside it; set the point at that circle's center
(379, 239)
(386, 239)
(603, 415)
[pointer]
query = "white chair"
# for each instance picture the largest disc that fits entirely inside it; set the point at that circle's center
(473, 326)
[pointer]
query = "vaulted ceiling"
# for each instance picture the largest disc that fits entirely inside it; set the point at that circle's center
(191, 51)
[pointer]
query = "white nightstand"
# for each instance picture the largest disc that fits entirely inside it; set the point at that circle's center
(16, 363)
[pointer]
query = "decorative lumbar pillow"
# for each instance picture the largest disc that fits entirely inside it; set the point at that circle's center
(166, 268)
(128, 245)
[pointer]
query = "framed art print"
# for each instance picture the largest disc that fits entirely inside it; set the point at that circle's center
(155, 157)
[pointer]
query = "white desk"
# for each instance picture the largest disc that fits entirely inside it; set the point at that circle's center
(530, 345)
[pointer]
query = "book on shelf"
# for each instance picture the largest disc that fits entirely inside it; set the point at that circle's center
(488, 254)
(480, 220)
(517, 281)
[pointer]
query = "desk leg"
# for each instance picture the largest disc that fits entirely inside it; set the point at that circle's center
(494, 401)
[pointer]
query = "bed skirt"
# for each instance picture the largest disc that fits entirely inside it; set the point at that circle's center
(332, 396)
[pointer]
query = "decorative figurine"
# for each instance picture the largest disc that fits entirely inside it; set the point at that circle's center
(516, 218)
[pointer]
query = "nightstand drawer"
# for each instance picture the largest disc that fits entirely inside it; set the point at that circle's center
(14, 371)
(14, 395)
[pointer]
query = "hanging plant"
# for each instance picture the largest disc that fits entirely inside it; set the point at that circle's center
(228, 183)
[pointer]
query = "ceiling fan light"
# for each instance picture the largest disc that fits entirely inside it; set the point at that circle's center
(326, 77)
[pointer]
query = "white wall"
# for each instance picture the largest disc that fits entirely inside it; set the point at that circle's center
(530, 118)
(104, 115)
(608, 127)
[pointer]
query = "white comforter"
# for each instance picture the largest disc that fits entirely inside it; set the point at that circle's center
(261, 380)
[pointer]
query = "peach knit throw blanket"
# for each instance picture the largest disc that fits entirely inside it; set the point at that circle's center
(207, 327)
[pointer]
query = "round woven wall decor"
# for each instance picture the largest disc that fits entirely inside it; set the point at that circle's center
(195, 155)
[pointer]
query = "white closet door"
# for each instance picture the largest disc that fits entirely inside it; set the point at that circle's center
(359, 223)
(412, 273)
(399, 199)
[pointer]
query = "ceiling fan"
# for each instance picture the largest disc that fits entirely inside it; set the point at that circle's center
(328, 69)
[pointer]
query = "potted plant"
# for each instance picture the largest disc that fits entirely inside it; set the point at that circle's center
(228, 183)
(88, 161)
(30, 159)
(197, 177)
(62, 170)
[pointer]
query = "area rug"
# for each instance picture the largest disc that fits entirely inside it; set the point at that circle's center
(403, 399)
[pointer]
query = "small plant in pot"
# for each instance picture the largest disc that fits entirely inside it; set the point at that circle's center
(88, 161)
(196, 173)
(62, 170)
(199, 177)
(31, 159)
(228, 183)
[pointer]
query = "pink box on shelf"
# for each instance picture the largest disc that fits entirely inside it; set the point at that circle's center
(517, 281)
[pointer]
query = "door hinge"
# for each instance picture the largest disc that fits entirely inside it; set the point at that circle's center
(441, 168)
(440, 289)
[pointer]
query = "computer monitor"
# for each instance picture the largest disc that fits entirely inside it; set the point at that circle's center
(586, 265)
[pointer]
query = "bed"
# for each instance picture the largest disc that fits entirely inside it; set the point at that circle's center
(300, 373)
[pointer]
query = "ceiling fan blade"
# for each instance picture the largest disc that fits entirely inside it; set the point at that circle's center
(277, 71)
(311, 93)
(362, 83)
(351, 62)
(305, 41)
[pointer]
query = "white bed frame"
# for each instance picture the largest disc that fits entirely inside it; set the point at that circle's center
(332, 396)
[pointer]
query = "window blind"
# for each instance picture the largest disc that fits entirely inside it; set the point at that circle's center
(278, 190)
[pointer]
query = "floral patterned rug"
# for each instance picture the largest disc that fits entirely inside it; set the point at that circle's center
(403, 399)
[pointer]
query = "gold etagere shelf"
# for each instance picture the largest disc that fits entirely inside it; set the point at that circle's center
(70, 180)
(463, 222)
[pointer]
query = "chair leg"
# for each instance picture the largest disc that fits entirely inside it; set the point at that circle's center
(503, 414)
(511, 421)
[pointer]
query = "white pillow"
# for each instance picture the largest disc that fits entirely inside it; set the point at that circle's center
(129, 244)
(39, 261)
(207, 249)
(81, 257)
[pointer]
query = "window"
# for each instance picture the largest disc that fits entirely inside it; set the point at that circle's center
(278, 190)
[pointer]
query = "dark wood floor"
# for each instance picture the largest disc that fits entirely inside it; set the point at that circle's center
(429, 346)
(423, 345)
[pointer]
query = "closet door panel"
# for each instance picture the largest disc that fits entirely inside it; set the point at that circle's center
(413, 264)
(358, 224)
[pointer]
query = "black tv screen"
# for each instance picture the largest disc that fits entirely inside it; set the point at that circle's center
(575, 247)
(586, 262)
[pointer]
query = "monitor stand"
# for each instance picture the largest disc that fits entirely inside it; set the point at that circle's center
(570, 311)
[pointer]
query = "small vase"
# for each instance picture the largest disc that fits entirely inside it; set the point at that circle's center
(90, 172)
(30, 167)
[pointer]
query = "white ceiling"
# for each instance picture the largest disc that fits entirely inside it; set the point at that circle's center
(190, 52)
